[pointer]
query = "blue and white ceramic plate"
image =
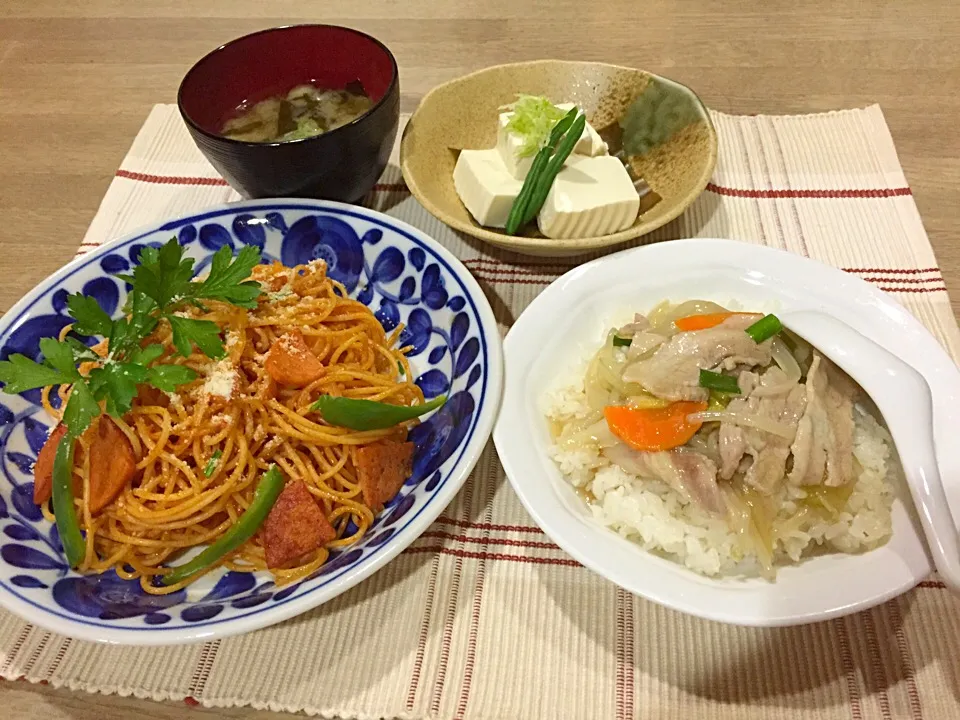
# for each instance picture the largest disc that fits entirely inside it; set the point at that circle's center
(399, 272)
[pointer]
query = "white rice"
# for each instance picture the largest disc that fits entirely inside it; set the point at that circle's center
(661, 520)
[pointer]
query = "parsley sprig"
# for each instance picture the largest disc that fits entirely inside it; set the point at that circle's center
(162, 285)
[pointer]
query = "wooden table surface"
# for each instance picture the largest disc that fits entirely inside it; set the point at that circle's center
(77, 81)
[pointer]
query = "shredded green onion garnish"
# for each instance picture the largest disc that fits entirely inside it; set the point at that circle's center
(533, 118)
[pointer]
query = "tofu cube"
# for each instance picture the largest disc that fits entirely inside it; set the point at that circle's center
(485, 186)
(591, 196)
(508, 145)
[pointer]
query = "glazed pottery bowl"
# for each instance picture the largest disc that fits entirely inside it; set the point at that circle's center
(676, 154)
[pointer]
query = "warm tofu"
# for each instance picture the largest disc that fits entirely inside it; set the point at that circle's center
(382, 469)
(591, 196)
(295, 527)
(508, 145)
(485, 186)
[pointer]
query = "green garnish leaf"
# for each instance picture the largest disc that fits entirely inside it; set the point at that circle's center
(532, 120)
(212, 463)
(163, 275)
(89, 317)
(20, 373)
(117, 384)
(204, 333)
(81, 409)
(227, 280)
(59, 355)
(161, 285)
(169, 377)
(145, 356)
(81, 353)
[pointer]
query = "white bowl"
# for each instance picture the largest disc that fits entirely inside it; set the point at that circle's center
(569, 320)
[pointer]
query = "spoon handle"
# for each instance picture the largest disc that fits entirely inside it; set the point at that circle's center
(919, 459)
(904, 398)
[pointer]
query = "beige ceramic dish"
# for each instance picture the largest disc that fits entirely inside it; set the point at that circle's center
(461, 114)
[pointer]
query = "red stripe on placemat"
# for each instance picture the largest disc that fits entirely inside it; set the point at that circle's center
(892, 271)
(220, 182)
(906, 661)
(17, 644)
(448, 621)
(624, 656)
(849, 669)
(496, 268)
(712, 187)
(877, 667)
(937, 584)
(942, 288)
(424, 633)
(506, 277)
(169, 179)
(913, 281)
(568, 562)
(204, 665)
(474, 629)
(58, 658)
(443, 520)
(439, 535)
(841, 194)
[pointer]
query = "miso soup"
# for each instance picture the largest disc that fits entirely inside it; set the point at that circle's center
(303, 112)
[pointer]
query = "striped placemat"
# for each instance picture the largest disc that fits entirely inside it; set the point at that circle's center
(484, 617)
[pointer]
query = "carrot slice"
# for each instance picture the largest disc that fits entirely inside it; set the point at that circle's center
(704, 322)
(112, 463)
(290, 361)
(654, 429)
(43, 468)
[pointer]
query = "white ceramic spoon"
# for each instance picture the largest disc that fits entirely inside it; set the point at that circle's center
(903, 397)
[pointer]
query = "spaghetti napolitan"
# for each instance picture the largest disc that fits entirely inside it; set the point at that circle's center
(195, 456)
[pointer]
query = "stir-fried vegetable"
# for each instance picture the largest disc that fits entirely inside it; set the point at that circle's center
(765, 328)
(68, 525)
(370, 415)
(704, 321)
(654, 429)
(264, 497)
(719, 382)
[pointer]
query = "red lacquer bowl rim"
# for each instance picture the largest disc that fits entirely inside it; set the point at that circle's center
(394, 79)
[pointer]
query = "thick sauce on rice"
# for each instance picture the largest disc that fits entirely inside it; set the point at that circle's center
(724, 442)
